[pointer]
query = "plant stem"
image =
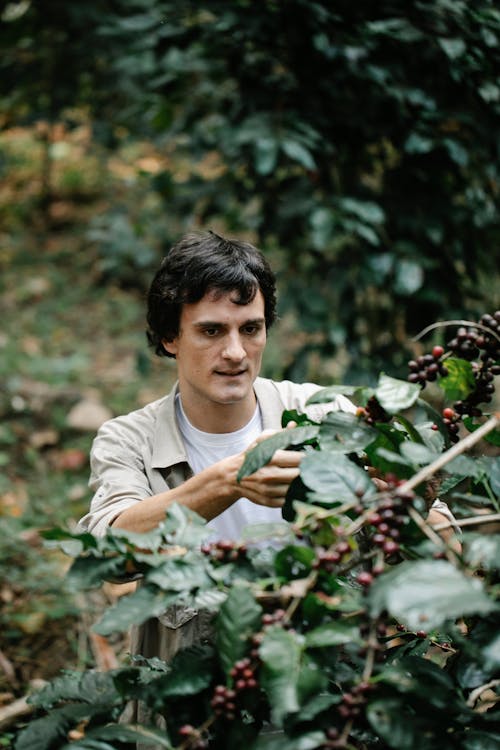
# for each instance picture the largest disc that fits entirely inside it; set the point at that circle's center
(450, 454)
(471, 521)
(444, 323)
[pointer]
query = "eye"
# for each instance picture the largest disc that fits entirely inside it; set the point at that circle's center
(211, 332)
(251, 330)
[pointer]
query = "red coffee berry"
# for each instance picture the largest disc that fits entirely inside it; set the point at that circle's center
(365, 578)
(437, 352)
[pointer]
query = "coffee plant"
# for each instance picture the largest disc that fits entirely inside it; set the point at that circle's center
(359, 624)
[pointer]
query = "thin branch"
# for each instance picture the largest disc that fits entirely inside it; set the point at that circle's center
(456, 450)
(472, 521)
(430, 532)
(444, 323)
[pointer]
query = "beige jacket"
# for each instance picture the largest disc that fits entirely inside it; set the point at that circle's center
(142, 454)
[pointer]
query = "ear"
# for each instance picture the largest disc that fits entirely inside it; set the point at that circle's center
(170, 346)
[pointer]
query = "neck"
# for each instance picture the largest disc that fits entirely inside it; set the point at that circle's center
(220, 418)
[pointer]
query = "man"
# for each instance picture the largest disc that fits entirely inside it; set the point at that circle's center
(210, 306)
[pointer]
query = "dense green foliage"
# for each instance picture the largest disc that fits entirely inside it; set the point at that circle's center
(361, 140)
(357, 626)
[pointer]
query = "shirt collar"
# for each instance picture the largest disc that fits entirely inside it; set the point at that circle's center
(168, 448)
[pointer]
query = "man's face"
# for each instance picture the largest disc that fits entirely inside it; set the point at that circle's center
(219, 352)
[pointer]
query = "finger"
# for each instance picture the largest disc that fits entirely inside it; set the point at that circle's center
(286, 458)
(269, 482)
(380, 484)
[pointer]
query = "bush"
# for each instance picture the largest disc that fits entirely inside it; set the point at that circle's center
(360, 627)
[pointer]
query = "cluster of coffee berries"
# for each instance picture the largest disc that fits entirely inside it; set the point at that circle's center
(373, 412)
(477, 343)
(427, 367)
(387, 520)
(226, 701)
(225, 551)
(193, 738)
(354, 700)
(333, 739)
(244, 675)
(273, 618)
(451, 420)
(329, 559)
(471, 340)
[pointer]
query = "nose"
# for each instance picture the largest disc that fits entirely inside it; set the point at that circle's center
(233, 348)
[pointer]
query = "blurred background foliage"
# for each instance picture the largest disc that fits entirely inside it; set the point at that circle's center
(356, 143)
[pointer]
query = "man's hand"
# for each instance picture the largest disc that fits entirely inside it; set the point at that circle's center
(269, 484)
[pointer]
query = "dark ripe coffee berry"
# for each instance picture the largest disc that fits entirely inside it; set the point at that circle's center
(187, 730)
(390, 547)
(365, 578)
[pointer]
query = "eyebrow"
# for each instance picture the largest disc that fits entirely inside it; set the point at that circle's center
(219, 324)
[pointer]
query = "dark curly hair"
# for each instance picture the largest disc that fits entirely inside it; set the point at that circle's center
(199, 263)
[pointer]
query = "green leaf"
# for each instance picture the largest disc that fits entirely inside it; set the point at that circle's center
(191, 672)
(424, 680)
(482, 551)
(393, 722)
(307, 741)
(322, 227)
(294, 562)
(266, 155)
(238, 618)
(134, 609)
(119, 733)
(336, 633)
(417, 454)
(492, 437)
(42, 734)
(418, 144)
(477, 740)
(88, 572)
(280, 653)
(409, 277)
(264, 451)
(426, 593)
(495, 476)
(334, 476)
(396, 395)
(453, 48)
(87, 687)
(325, 395)
(460, 379)
(299, 153)
(182, 574)
(367, 211)
(345, 433)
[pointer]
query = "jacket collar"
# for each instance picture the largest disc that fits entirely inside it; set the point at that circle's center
(168, 448)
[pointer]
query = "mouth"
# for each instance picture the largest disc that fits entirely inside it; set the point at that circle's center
(230, 373)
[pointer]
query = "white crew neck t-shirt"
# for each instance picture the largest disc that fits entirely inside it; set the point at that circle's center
(206, 448)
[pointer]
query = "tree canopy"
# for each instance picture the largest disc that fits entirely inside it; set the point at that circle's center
(360, 140)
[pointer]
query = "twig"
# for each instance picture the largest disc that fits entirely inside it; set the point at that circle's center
(430, 532)
(7, 667)
(455, 450)
(444, 323)
(472, 521)
(19, 708)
